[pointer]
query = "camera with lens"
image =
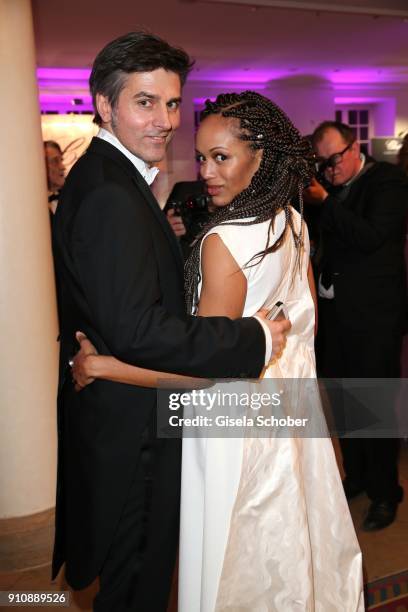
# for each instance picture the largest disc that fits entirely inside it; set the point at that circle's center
(192, 210)
(190, 201)
(321, 178)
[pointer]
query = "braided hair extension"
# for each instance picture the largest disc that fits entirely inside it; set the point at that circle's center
(286, 168)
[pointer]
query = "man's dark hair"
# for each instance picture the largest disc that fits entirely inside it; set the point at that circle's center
(133, 52)
(344, 130)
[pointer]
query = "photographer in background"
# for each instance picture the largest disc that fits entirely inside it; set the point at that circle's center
(362, 296)
(188, 210)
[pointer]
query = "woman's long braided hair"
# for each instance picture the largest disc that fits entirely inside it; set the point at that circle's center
(286, 168)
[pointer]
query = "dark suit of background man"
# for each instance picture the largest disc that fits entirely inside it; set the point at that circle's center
(362, 296)
(120, 280)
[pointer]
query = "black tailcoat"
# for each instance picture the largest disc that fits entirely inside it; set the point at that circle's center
(120, 280)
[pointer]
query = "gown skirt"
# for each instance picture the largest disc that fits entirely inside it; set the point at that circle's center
(265, 525)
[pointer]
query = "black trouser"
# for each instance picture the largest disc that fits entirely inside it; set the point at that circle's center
(137, 574)
(371, 463)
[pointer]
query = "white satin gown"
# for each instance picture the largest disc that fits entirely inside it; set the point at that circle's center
(265, 526)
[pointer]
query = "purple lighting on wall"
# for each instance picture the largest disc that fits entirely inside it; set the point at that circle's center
(349, 100)
(363, 76)
(79, 77)
(239, 76)
(62, 97)
(64, 74)
(60, 86)
(64, 90)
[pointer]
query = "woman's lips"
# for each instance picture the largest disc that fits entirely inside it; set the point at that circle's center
(214, 190)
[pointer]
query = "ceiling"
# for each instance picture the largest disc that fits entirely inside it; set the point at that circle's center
(231, 42)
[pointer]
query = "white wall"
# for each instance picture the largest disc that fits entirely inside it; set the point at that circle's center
(307, 104)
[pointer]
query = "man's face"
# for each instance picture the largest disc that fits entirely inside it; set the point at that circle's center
(146, 114)
(55, 168)
(349, 163)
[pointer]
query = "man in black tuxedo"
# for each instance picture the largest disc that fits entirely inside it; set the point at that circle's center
(120, 279)
(362, 296)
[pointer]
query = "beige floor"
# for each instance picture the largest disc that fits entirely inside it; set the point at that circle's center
(384, 552)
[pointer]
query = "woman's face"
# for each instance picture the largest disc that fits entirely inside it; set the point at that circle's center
(227, 164)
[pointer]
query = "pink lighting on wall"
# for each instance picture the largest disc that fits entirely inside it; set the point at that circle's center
(350, 100)
(202, 101)
(64, 90)
(239, 76)
(64, 74)
(79, 77)
(198, 102)
(61, 97)
(364, 76)
(60, 86)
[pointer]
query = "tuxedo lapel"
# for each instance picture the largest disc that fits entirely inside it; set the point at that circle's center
(101, 147)
(161, 218)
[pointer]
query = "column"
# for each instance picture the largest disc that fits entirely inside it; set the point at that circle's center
(28, 318)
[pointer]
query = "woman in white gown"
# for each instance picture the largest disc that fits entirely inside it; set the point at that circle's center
(265, 525)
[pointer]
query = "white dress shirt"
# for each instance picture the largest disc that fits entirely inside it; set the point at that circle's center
(148, 173)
